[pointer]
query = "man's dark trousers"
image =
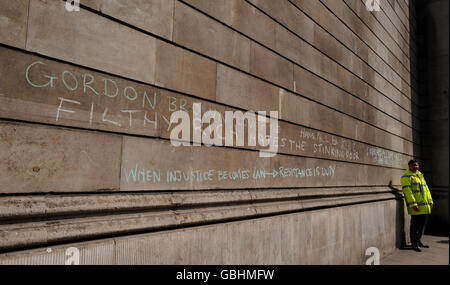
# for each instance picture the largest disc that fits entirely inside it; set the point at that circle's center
(418, 223)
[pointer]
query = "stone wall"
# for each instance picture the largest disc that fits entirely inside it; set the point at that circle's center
(86, 99)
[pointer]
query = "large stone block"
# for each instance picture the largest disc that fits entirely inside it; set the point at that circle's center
(222, 10)
(13, 22)
(44, 159)
(201, 245)
(184, 71)
(241, 16)
(154, 16)
(298, 240)
(255, 236)
(238, 89)
(296, 49)
(211, 38)
(253, 23)
(271, 67)
(288, 15)
(78, 37)
(94, 4)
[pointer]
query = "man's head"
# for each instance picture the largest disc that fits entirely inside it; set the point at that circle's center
(413, 165)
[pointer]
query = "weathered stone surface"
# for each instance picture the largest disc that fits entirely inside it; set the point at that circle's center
(312, 237)
(393, 12)
(41, 90)
(351, 20)
(311, 86)
(288, 15)
(211, 38)
(184, 71)
(89, 253)
(13, 22)
(259, 203)
(274, 246)
(301, 111)
(253, 23)
(148, 111)
(190, 167)
(221, 10)
(241, 16)
(333, 25)
(154, 16)
(44, 159)
(295, 48)
(389, 34)
(271, 67)
(94, 4)
(240, 90)
(79, 37)
(27, 206)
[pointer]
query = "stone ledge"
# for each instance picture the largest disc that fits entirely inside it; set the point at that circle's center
(338, 235)
(38, 206)
(71, 229)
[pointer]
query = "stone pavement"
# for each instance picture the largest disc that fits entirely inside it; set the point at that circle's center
(437, 254)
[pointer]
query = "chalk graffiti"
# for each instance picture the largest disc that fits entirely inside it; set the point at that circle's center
(382, 156)
(110, 87)
(140, 174)
(146, 109)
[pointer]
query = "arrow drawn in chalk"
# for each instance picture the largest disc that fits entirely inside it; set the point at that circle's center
(274, 173)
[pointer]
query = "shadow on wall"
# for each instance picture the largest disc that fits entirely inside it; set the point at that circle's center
(401, 226)
(429, 79)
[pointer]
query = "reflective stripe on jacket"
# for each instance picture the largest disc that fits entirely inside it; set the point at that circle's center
(416, 192)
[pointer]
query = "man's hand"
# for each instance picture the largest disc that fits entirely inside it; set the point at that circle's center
(431, 206)
(415, 208)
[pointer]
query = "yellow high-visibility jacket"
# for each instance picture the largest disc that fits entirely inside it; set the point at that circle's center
(416, 193)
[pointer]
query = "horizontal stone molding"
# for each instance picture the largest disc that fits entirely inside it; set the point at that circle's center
(69, 229)
(338, 235)
(24, 207)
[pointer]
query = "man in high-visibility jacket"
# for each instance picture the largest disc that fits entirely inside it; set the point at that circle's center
(418, 201)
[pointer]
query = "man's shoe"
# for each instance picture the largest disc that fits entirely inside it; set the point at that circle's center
(416, 248)
(422, 245)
